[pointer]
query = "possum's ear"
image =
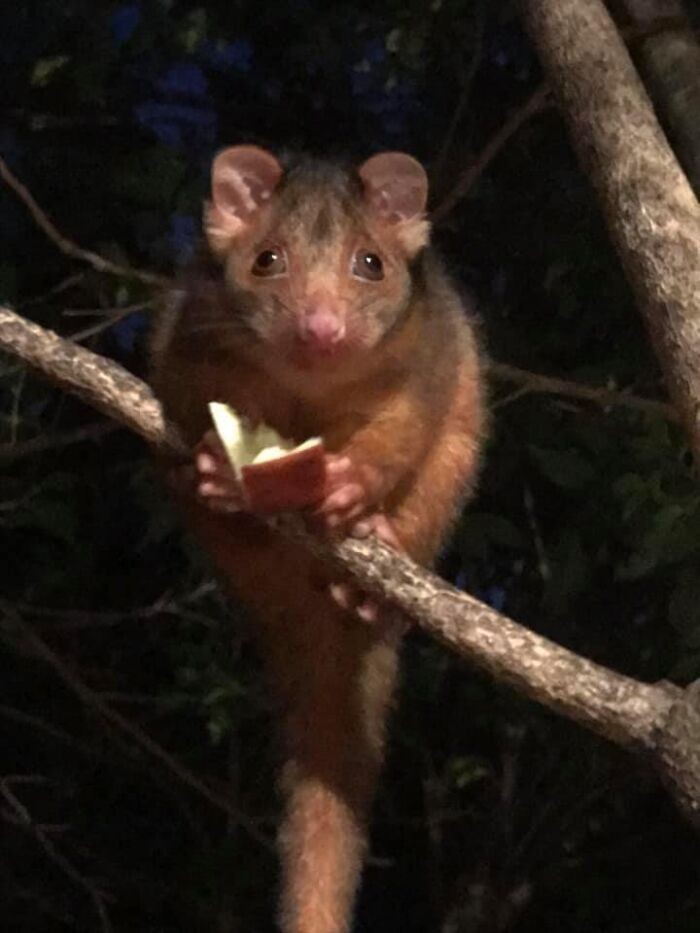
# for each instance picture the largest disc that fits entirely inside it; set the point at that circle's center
(396, 191)
(242, 181)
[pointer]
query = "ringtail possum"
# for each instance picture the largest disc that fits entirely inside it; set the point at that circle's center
(316, 307)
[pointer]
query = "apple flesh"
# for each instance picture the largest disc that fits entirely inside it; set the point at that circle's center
(275, 474)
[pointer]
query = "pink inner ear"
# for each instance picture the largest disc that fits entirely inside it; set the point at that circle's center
(243, 179)
(396, 185)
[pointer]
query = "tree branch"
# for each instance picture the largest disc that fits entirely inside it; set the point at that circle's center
(465, 83)
(623, 710)
(643, 717)
(533, 105)
(652, 214)
(66, 246)
(667, 51)
(654, 222)
(11, 452)
(24, 818)
(92, 699)
(108, 388)
(536, 382)
(538, 101)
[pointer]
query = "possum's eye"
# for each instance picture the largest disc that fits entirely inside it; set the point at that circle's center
(366, 265)
(270, 262)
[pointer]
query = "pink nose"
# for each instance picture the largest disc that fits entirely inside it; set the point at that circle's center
(321, 330)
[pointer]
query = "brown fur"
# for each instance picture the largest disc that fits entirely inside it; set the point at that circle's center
(404, 402)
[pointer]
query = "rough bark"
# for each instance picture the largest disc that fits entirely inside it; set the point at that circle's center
(667, 52)
(620, 709)
(678, 751)
(660, 721)
(654, 221)
(101, 383)
(650, 209)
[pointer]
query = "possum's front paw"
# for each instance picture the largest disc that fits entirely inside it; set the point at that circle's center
(351, 493)
(348, 595)
(279, 484)
(216, 485)
(379, 526)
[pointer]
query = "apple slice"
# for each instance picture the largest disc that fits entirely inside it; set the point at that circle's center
(276, 475)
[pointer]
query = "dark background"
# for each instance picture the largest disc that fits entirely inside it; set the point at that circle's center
(493, 815)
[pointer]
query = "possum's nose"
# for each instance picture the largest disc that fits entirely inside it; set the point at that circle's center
(321, 329)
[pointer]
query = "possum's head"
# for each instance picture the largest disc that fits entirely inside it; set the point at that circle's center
(316, 258)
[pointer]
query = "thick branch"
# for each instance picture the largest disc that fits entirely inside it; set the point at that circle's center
(101, 383)
(627, 712)
(621, 709)
(655, 222)
(668, 53)
(651, 211)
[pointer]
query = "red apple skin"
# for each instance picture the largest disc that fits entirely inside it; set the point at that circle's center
(293, 481)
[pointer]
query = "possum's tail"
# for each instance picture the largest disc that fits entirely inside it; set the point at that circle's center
(333, 678)
(337, 688)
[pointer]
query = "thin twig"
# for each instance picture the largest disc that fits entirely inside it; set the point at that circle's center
(540, 550)
(140, 738)
(109, 319)
(68, 620)
(32, 779)
(35, 898)
(27, 720)
(10, 453)
(75, 620)
(509, 398)
(69, 247)
(69, 870)
(464, 96)
(535, 104)
(626, 711)
(104, 312)
(62, 286)
(38, 122)
(97, 751)
(536, 382)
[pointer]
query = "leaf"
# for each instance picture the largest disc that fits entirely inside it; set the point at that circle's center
(45, 69)
(684, 607)
(672, 535)
(569, 572)
(151, 177)
(633, 490)
(194, 30)
(686, 669)
(58, 518)
(565, 468)
(469, 769)
(480, 530)
(217, 728)
(8, 282)
(638, 565)
(223, 693)
(55, 517)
